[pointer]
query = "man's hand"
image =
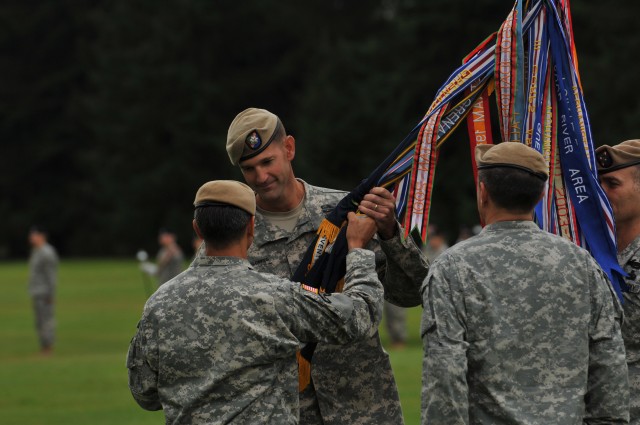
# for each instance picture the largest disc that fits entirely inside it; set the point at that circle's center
(360, 230)
(380, 205)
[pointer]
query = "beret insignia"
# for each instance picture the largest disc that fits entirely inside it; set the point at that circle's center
(604, 159)
(253, 140)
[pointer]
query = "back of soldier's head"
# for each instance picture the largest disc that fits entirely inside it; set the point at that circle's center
(221, 226)
(513, 174)
(223, 210)
(513, 190)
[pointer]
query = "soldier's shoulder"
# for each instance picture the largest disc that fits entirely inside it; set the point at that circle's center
(266, 279)
(174, 286)
(192, 284)
(49, 251)
(568, 255)
(324, 194)
(247, 279)
(463, 248)
(564, 244)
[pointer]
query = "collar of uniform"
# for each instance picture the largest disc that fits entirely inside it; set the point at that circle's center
(629, 252)
(266, 232)
(204, 261)
(508, 225)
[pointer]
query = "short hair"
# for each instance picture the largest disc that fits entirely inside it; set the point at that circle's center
(512, 189)
(221, 225)
(279, 133)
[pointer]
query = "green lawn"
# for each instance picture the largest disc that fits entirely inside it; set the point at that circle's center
(85, 381)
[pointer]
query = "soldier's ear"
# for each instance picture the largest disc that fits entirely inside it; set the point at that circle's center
(542, 192)
(250, 231)
(483, 194)
(196, 229)
(290, 147)
(251, 226)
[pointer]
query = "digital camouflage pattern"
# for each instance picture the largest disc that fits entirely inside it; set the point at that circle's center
(521, 327)
(217, 344)
(629, 259)
(43, 270)
(351, 384)
(43, 276)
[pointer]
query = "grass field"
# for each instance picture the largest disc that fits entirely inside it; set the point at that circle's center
(85, 380)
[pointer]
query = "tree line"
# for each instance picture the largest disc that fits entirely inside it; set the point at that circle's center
(113, 113)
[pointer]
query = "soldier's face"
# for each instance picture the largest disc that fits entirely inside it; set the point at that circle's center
(165, 239)
(36, 239)
(270, 173)
(623, 190)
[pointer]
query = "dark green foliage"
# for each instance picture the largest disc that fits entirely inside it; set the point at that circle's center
(113, 113)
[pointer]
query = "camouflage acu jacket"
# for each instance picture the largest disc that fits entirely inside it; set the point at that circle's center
(217, 344)
(354, 383)
(43, 270)
(521, 327)
(629, 259)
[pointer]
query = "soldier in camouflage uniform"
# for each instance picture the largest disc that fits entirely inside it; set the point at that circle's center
(619, 168)
(43, 275)
(217, 344)
(352, 384)
(520, 326)
(170, 260)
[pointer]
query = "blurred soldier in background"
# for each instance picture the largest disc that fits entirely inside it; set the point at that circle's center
(396, 322)
(170, 260)
(466, 232)
(396, 317)
(351, 384)
(436, 243)
(619, 169)
(218, 343)
(520, 326)
(43, 275)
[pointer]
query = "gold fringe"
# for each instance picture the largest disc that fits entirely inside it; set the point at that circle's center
(327, 234)
(328, 230)
(304, 372)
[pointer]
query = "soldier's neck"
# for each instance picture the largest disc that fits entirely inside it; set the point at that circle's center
(627, 233)
(494, 215)
(227, 252)
(238, 249)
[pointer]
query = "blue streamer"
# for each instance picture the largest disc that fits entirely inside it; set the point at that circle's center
(580, 179)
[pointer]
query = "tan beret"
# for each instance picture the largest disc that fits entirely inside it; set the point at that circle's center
(251, 132)
(612, 158)
(513, 155)
(226, 192)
